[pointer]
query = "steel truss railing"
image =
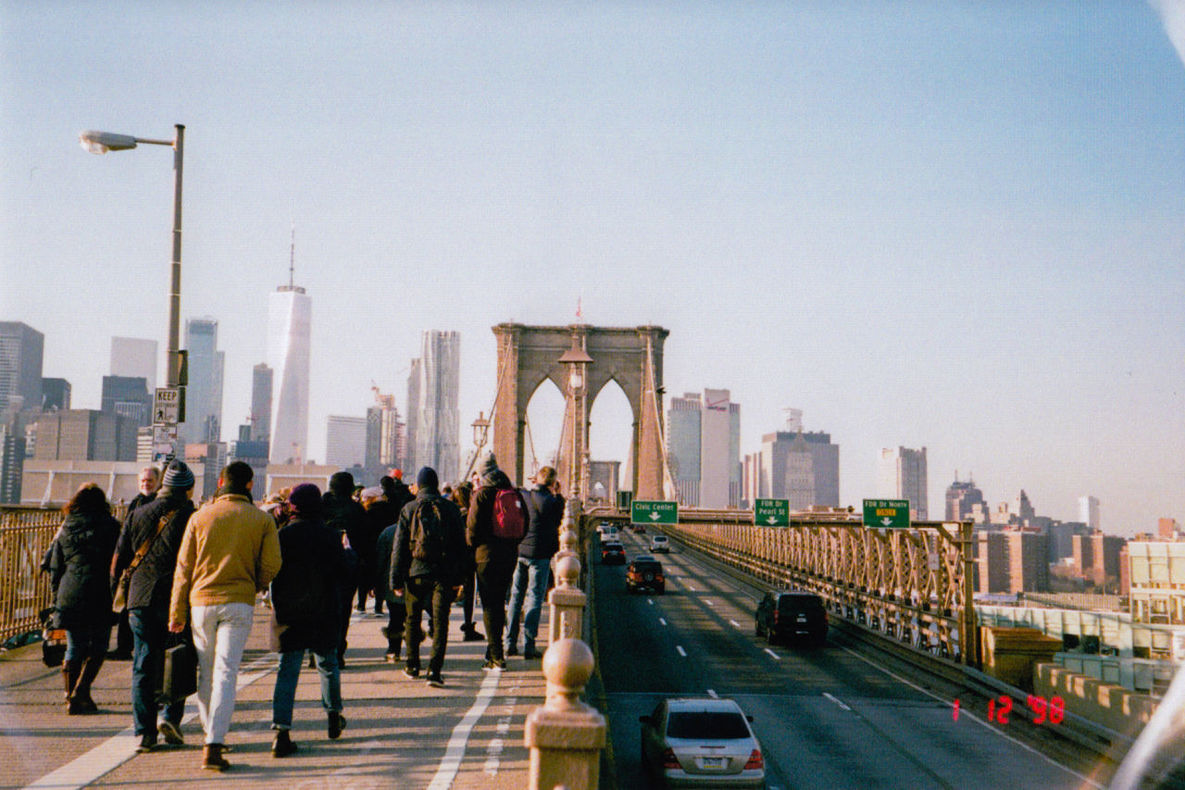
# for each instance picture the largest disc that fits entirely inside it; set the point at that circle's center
(911, 585)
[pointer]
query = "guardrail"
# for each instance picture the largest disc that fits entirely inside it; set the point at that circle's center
(25, 534)
(911, 585)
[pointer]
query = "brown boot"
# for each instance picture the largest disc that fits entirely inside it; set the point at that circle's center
(212, 759)
(82, 691)
(71, 671)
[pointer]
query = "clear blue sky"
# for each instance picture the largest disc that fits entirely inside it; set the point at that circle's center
(951, 225)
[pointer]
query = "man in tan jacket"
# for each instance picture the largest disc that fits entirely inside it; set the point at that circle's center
(229, 553)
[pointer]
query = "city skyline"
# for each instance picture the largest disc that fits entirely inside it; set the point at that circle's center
(956, 227)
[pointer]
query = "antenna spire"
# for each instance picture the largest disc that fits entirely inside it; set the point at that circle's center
(292, 259)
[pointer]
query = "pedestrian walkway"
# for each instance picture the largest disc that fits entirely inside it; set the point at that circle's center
(401, 733)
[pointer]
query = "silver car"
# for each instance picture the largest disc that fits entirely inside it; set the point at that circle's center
(659, 543)
(701, 742)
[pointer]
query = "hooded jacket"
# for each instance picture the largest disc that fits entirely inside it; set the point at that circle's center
(404, 566)
(152, 581)
(479, 524)
(79, 565)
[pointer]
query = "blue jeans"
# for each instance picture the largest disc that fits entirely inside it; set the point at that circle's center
(530, 577)
(88, 641)
(284, 696)
(149, 631)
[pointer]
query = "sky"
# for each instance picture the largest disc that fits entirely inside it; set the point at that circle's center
(951, 225)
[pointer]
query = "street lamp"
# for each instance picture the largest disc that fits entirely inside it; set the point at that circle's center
(100, 143)
(577, 359)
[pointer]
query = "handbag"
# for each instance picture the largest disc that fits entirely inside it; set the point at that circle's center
(179, 675)
(53, 640)
(119, 598)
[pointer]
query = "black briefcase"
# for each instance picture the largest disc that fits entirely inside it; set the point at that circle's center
(179, 675)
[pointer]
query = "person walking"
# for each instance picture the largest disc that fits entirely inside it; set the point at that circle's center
(151, 541)
(380, 514)
(79, 564)
(306, 612)
(462, 495)
(496, 523)
(545, 510)
(426, 562)
(229, 553)
(149, 484)
(344, 514)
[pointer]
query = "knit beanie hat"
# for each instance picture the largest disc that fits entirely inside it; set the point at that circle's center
(305, 499)
(177, 476)
(427, 478)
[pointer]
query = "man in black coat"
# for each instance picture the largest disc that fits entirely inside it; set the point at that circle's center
(346, 516)
(149, 482)
(426, 563)
(160, 523)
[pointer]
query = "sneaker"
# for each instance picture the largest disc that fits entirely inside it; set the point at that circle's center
(283, 745)
(511, 651)
(391, 658)
(412, 672)
(337, 723)
(494, 663)
(473, 635)
(530, 654)
(171, 733)
(147, 744)
(435, 680)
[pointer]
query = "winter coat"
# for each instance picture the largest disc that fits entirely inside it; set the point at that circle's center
(345, 515)
(79, 567)
(449, 570)
(152, 581)
(479, 524)
(306, 594)
(545, 511)
(383, 549)
(400, 495)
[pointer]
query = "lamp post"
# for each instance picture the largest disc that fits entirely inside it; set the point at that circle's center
(102, 142)
(481, 430)
(577, 359)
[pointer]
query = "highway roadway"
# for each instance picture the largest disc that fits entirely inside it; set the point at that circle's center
(827, 717)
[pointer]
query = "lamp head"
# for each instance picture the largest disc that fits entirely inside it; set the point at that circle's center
(102, 142)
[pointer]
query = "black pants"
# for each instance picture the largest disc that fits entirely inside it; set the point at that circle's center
(467, 590)
(396, 615)
(420, 593)
(493, 583)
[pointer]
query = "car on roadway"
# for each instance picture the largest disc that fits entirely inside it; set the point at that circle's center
(610, 532)
(791, 614)
(638, 529)
(612, 553)
(645, 573)
(701, 742)
(659, 544)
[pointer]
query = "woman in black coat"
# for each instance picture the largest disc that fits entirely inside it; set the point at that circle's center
(79, 564)
(307, 611)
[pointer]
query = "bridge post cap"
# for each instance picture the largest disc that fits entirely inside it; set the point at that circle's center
(569, 541)
(567, 571)
(567, 665)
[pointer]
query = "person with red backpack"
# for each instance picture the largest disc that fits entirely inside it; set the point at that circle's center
(496, 522)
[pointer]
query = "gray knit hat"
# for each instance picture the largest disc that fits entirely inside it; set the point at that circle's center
(177, 476)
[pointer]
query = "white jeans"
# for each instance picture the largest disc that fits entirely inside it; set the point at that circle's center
(219, 633)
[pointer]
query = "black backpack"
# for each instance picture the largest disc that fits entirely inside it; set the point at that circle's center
(427, 534)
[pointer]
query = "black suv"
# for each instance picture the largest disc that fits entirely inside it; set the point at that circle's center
(645, 573)
(789, 614)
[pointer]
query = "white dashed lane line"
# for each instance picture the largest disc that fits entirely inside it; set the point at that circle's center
(773, 655)
(681, 651)
(662, 621)
(837, 701)
(712, 694)
(735, 624)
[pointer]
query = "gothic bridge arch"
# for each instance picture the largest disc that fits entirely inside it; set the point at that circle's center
(631, 356)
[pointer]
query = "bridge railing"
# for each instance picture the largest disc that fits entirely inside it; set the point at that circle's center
(25, 534)
(911, 585)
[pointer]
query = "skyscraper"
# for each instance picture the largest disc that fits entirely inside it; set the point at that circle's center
(261, 402)
(21, 351)
(134, 356)
(203, 394)
(961, 498)
(55, 394)
(802, 466)
(290, 315)
(433, 417)
(1088, 511)
(703, 444)
(901, 474)
(345, 441)
(384, 435)
(128, 396)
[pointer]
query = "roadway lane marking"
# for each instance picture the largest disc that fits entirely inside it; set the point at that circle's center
(775, 656)
(837, 701)
(964, 712)
(662, 621)
(735, 624)
(690, 588)
(118, 749)
(681, 651)
(709, 602)
(454, 753)
(712, 694)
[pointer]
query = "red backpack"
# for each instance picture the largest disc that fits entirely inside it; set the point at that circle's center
(510, 517)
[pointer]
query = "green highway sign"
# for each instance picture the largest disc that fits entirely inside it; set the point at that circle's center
(771, 512)
(886, 513)
(654, 512)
